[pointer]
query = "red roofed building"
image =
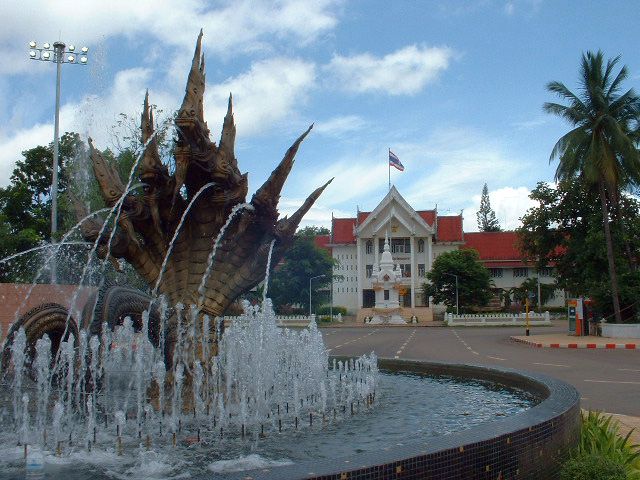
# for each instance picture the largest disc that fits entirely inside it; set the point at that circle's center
(415, 238)
(499, 252)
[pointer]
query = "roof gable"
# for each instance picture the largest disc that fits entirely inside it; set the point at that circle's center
(393, 205)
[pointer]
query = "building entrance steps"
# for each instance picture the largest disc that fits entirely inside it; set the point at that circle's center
(424, 315)
(559, 340)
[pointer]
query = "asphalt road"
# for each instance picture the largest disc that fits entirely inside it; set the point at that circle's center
(607, 380)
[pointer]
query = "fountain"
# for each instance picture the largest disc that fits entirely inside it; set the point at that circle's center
(147, 385)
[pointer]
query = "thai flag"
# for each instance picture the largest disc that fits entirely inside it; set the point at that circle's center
(394, 161)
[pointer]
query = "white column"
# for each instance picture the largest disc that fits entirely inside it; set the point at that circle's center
(359, 271)
(412, 246)
(375, 249)
(429, 254)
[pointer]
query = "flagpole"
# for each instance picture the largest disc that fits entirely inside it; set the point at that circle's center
(389, 167)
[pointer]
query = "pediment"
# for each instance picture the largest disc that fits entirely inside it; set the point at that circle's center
(393, 208)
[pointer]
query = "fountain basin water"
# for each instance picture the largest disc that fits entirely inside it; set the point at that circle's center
(529, 444)
(439, 421)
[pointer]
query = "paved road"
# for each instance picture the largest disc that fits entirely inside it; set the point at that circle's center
(606, 379)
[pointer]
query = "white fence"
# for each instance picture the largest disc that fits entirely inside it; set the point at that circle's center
(496, 319)
(292, 320)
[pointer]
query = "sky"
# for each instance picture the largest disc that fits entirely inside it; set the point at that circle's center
(454, 88)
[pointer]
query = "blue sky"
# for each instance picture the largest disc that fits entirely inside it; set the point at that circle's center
(454, 88)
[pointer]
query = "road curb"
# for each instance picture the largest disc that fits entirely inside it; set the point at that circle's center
(604, 346)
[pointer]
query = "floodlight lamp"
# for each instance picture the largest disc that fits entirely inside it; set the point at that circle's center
(83, 59)
(32, 44)
(47, 45)
(85, 49)
(46, 55)
(72, 48)
(32, 54)
(71, 58)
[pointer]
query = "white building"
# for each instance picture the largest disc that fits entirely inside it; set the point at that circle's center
(416, 238)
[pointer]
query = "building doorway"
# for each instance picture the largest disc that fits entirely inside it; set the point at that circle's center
(368, 298)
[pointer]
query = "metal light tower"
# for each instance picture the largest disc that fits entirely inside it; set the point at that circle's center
(59, 54)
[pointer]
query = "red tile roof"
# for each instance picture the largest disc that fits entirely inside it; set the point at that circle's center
(342, 229)
(449, 229)
(494, 245)
(428, 216)
(497, 249)
(322, 241)
(362, 216)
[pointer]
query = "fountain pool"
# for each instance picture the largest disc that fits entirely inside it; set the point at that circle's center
(408, 408)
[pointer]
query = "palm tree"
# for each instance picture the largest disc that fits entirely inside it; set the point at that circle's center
(601, 147)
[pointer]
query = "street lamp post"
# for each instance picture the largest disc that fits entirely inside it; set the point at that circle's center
(456, 277)
(312, 278)
(59, 54)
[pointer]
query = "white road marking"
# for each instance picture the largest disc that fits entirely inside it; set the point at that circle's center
(628, 370)
(405, 344)
(497, 358)
(612, 381)
(551, 365)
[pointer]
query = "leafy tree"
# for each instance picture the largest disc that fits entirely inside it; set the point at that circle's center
(529, 288)
(565, 230)
(312, 231)
(474, 284)
(290, 280)
(25, 204)
(487, 221)
(600, 146)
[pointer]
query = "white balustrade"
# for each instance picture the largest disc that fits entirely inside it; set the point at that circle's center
(496, 319)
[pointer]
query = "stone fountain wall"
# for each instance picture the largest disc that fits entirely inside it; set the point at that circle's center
(13, 303)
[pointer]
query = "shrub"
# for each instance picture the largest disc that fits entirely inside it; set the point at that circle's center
(592, 466)
(601, 452)
(326, 310)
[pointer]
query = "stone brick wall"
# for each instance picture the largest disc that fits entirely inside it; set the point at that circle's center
(17, 299)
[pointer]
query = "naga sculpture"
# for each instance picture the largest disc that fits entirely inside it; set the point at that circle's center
(148, 222)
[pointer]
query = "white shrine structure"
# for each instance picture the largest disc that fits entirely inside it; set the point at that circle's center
(386, 282)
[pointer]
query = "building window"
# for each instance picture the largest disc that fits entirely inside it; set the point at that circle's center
(369, 269)
(405, 268)
(400, 245)
(497, 272)
(521, 272)
(420, 246)
(386, 294)
(421, 270)
(369, 247)
(546, 272)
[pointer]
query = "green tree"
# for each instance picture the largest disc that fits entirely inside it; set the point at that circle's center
(312, 231)
(474, 284)
(600, 146)
(487, 221)
(289, 285)
(565, 229)
(25, 204)
(529, 289)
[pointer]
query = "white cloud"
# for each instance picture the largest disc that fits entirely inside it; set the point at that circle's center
(403, 72)
(264, 95)
(11, 148)
(509, 203)
(340, 126)
(235, 26)
(318, 215)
